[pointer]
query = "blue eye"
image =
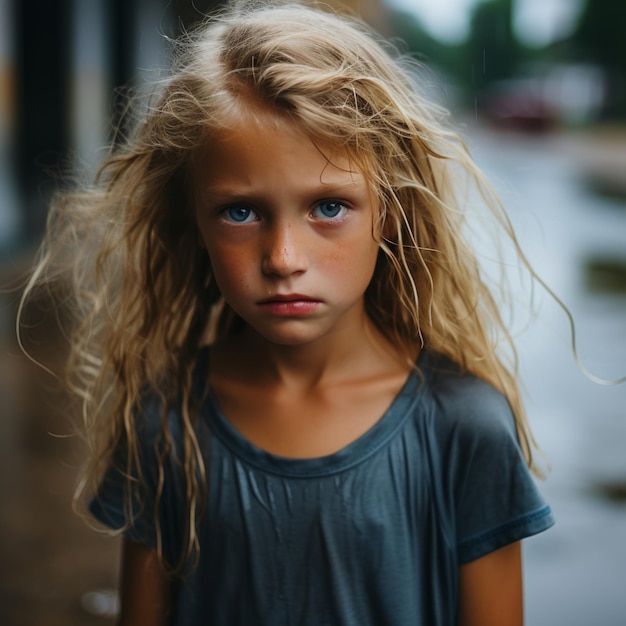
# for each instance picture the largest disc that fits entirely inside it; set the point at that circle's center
(330, 209)
(239, 214)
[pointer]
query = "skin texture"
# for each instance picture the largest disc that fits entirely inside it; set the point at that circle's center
(288, 228)
(145, 588)
(491, 590)
(306, 229)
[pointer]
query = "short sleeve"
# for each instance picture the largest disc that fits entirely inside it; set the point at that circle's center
(496, 499)
(122, 504)
(127, 497)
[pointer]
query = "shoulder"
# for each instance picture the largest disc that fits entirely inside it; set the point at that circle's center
(485, 486)
(464, 404)
(159, 416)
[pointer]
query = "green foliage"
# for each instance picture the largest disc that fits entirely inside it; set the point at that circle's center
(416, 41)
(601, 39)
(490, 53)
(492, 50)
(601, 33)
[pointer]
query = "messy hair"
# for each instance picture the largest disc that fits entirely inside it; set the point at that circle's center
(139, 285)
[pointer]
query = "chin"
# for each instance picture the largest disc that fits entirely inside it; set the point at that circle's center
(290, 340)
(288, 336)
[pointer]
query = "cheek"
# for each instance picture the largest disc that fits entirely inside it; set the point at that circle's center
(230, 267)
(353, 263)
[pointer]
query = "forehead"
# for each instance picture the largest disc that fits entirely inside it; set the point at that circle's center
(266, 146)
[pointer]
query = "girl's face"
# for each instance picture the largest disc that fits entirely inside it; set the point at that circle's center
(288, 229)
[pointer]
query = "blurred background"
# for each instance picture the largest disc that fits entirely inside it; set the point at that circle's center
(537, 88)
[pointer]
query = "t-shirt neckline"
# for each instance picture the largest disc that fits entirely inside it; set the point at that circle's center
(354, 453)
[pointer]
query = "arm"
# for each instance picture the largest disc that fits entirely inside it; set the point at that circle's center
(145, 592)
(490, 591)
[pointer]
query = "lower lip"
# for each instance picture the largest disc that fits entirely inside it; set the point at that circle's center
(290, 308)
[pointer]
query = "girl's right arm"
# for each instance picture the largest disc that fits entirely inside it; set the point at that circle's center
(145, 590)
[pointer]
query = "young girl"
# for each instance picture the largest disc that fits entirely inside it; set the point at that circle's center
(285, 349)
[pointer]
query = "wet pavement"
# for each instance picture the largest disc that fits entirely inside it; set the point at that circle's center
(50, 558)
(575, 572)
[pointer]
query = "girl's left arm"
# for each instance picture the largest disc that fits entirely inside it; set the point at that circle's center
(490, 589)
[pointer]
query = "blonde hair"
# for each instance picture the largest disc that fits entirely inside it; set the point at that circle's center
(142, 291)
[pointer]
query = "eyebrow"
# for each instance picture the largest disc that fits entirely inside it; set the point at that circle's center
(323, 189)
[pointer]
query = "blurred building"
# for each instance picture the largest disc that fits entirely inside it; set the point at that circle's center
(61, 62)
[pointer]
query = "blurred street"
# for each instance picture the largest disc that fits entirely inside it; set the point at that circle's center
(536, 66)
(50, 558)
(574, 573)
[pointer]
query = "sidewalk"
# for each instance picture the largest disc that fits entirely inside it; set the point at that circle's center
(575, 572)
(600, 153)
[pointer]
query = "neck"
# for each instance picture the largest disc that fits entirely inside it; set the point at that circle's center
(354, 353)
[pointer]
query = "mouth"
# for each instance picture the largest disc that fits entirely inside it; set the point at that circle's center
(292, 297)
(289, 305)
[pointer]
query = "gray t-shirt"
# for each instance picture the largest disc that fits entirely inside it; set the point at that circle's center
(372, 535)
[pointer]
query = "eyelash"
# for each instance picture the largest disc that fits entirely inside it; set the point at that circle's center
(342, 209)
(227, 213)
(224, 213)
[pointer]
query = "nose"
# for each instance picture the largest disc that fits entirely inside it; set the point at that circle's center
(284, 251)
